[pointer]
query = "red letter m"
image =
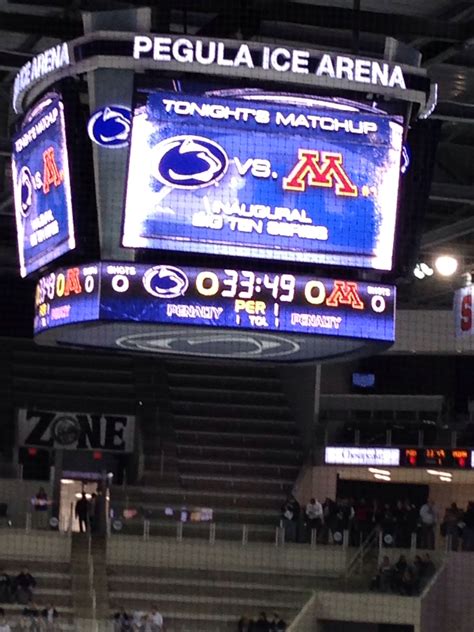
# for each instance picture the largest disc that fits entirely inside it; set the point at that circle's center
(315, 172)
(345, 293)
(51, 174)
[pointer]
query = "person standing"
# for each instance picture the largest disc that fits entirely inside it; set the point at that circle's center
(82, 513)
(428, 520)
(314, 517)
(290, 517)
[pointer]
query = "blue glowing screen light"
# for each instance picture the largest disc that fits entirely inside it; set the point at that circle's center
(42, 187)
(269, 180)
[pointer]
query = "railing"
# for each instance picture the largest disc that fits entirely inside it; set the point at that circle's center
(356, 563)
(148, 528)
(305, 619)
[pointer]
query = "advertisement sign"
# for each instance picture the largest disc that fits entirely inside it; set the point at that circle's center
(224, 298)
(260, 179)
(42, 188)
(463, 312)
(75, 431)
(362, 456)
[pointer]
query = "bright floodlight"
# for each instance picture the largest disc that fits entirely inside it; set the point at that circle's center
(446, 265)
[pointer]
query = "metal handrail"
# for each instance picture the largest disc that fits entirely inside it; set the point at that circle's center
(357, 560)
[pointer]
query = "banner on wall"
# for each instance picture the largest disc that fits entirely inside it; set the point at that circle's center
(75, 431)
(463, 313)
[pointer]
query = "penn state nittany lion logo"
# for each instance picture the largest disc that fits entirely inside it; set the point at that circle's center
(110, 126)
(165, 282)
(189, 162)
(25, 184)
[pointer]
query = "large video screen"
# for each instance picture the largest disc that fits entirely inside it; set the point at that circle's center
(42, 187)
(273, 177)
(211, 297)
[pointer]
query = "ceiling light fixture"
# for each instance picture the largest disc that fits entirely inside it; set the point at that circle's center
(446, 265)
(382, 477)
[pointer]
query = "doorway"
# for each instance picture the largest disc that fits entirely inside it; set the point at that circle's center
(70, 492)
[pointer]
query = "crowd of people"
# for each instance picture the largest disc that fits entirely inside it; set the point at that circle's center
(397, 521)
(138, 621)
(261, 623)
(18, 589)
(403, 577)
(32, 619)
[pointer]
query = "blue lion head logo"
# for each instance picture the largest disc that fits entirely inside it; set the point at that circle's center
(189, 162)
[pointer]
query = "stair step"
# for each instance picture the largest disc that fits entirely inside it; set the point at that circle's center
(232, 409)
(202, 466)
(270, 454)
(223, 439)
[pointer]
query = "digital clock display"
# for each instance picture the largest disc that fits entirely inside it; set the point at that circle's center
(226, 298)
(436, 457)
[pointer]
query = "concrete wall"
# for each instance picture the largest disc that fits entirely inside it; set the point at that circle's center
(317, 482)
(433, 605)
(366, 607)
(48, 546)
(458, 600)
(167, 552)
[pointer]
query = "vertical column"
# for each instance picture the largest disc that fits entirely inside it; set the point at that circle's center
(108, 88)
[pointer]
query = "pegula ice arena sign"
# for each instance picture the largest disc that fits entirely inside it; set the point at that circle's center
(310, 67)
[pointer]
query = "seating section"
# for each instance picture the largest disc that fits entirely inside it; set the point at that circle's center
(232, 446)
(204, 600)
(53, 586)
(383, 420)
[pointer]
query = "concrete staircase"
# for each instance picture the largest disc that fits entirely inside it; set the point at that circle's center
(225, 440)
(89, 581)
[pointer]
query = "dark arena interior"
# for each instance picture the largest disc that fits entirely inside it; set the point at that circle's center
(236, 324)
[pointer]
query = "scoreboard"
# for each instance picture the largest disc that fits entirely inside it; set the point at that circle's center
(454, 458)
(243, 188)
(436, 457)
(227, 298)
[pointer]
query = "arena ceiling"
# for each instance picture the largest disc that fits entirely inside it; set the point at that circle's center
(443, 30)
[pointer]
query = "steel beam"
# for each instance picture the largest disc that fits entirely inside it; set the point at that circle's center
(447, 233)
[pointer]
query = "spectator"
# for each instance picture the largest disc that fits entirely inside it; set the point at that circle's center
(5, 587)
(468, 531)
(32, 614)
(262, 624)
(398, 572)
(24, 585)
(290, 517)
(82, 513)
(4, 625)
(430, 568)
(314, 517)
(361, 522)
(449, 527)
(156, 620)
(383, 579)
(50, 618)
(277, 624)
(399, 516)
(411, 518)
(428, 519)
(40, 501)
(330, 519)
(407, 582)
(244, 624)
(388, 525)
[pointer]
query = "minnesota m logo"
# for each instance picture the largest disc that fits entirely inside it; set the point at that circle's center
(319, 169)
